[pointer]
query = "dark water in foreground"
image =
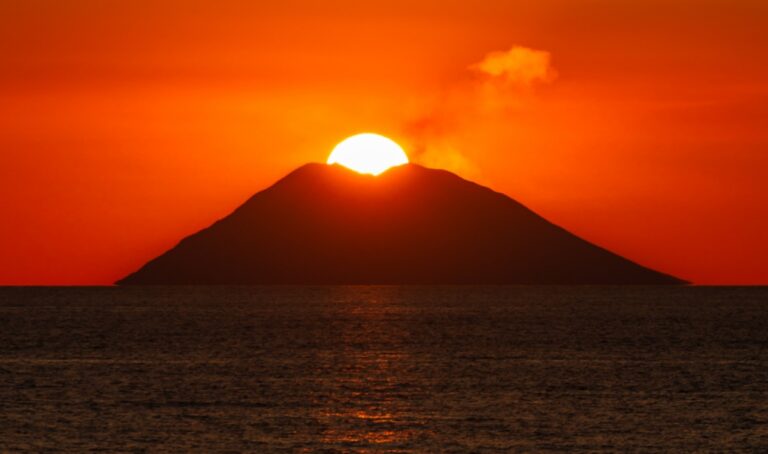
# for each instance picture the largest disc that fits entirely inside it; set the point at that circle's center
(384, 369)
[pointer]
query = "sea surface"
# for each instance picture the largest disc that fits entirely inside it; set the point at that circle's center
(383, 369)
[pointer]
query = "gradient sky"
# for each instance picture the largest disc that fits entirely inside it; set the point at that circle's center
(125, 125)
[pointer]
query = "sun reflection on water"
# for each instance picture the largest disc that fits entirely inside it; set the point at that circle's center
(367, 409)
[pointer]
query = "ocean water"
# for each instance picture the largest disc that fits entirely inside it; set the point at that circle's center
(383, 369)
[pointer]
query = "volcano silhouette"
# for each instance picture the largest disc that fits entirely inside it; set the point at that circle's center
(411, 225)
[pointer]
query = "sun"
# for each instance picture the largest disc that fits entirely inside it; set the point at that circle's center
(368, 153)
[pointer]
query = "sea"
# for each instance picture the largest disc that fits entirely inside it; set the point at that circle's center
(384, 369)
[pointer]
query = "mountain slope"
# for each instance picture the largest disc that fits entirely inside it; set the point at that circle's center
(411, 225)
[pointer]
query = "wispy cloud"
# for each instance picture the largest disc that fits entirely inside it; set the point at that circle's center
(503, 83)
(520, 67)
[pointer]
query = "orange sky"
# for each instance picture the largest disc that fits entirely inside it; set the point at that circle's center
(125, 125)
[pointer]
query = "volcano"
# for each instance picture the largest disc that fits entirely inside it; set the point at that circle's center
(326, 224)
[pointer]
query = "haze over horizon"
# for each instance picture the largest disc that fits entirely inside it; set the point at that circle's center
(639, 126)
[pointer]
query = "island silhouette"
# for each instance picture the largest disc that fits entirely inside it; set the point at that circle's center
(325, 224)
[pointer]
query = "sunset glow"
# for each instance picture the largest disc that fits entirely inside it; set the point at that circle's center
(127, 125)
(368, 153)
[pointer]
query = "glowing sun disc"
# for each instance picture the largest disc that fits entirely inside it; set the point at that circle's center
(368, 153)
